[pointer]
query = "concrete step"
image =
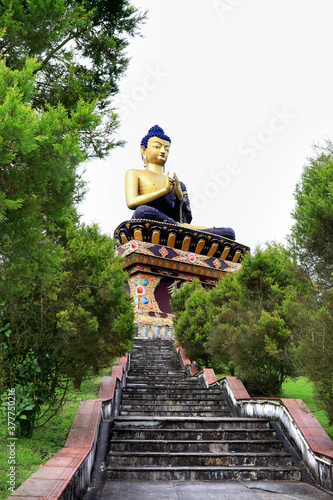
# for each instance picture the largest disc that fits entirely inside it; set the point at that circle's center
(179, 413)
(157, 357)
(178, 423)
(195, 392)
(196, 446)
(151, 387)
(225, 459)
(185, 384)
(194, 434)
(170, 399)
(158, 361)
(183, 405)
(149, 353)
(173, 381)
(164, 378)
(164, 344)
(168, 373)
(142, 353)
(152, 342)
(166, 400)
(149, 372)
(141, 356)
(125, 473)
(162, 365)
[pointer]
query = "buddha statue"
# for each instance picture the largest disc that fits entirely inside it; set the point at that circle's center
(153, 195)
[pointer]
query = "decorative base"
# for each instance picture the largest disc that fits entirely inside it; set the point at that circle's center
(160, 258)
(196, 241)
(155, 273)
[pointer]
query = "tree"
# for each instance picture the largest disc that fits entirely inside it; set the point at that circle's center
(316, 350)
(61, 61)
(58, 332)
(39, 154)
(95, 308)
(246, 322)
(312, 240)
(178, 301)
(312, 233)
(253, 324)
(51, 117)
(80, 48)
(227, 318)
(192, 321)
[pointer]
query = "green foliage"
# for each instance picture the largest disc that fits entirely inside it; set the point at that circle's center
(312, 233)
(80, 50)
(312, 241)
(253, 326)
(24, 405)
(262, 353)
(53, 327)
(95, 306)
(179, 299)
(39, 155)
(32, 452)
(316, 351)
(227, 318)
(61, 285)
(192, 325)
(246, 323)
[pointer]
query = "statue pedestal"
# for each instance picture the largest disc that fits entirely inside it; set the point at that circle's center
(156, 272)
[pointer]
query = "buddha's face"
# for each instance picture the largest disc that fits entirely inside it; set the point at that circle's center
(156, 152)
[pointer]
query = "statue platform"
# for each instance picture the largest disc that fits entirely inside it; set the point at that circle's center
(160, 258)
(194, 240)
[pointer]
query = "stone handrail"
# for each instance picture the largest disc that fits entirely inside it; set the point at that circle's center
(67, 473)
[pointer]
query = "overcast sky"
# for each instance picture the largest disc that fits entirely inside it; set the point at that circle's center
(244, 90)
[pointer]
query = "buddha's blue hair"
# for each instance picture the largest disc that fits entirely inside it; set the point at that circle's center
(154, 131)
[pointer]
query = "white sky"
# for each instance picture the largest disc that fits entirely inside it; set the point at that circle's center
(244, 89)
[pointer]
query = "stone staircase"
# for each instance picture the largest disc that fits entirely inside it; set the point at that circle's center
(171, 428)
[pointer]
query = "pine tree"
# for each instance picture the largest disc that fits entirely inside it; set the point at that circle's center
(59, 67)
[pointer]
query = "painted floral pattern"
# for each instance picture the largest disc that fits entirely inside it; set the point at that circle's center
(134, 245)
(191, 258)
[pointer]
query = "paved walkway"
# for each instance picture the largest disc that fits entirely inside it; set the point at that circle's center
(212, 490)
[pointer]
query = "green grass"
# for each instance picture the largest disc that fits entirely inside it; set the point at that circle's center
(46, 441)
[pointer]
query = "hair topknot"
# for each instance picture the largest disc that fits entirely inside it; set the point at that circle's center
(154, 131)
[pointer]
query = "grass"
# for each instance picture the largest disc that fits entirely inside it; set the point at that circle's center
(46, 441)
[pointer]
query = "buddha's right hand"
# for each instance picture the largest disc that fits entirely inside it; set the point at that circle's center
(168, 184)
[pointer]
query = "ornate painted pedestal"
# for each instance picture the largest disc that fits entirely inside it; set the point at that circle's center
(160, 258)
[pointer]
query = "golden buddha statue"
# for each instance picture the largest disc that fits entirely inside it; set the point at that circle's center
(156, 197)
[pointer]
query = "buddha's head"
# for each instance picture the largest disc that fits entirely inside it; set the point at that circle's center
(155, 146)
